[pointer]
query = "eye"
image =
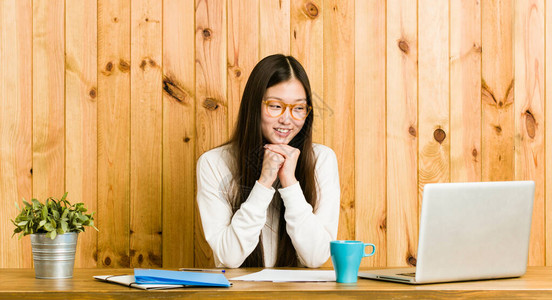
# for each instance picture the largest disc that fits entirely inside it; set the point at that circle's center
(274, 106)
(300, 108)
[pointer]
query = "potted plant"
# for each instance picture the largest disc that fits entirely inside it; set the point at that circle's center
(54, 228)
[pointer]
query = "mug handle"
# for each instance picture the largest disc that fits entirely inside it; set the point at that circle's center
(373, 249)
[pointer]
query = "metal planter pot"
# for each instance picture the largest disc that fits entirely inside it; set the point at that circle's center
(55, 258)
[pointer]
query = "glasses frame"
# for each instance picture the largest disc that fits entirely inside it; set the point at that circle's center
(285, 105)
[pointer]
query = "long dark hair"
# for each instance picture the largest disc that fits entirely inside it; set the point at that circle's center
(247, 149)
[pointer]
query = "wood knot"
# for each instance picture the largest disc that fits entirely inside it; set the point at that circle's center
(207, 33)
(383, 225)
(140, 259)
(238, 73)
(124, 260)
(107, 261)
(92, 93)
(411, 261)
(439, 135)
(477, 48)
(186, 139)
(210, 104)
(146, 19)
(311, 10)
(115, 20)
(498, 129)
(155, 259)
(109, 67)
(530, 124)
(474, 152)
(412, 131)
(147, 61)
(403, 45)
(124, 66)
(172, 88)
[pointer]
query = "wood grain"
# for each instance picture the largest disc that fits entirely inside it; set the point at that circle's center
(48, 99)
(307, 26)
(146, 134)
(66, 112)
(20, 284)
(370, 142)
(243, 32)
(529, 113)
(211, 101)
(179, 137)
(16, 26)
(402, 133)
(81, 92)
(548, 136)
(339, 91)
(274, 18)
(433, 95)
(497, 91)
(465, 91)
(113, 218)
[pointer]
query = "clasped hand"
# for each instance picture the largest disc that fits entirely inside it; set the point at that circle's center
(279, 161)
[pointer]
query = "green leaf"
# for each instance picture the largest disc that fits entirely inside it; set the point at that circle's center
(64, 226)
(44, 212)
(42, 222)
(55, 213)
(49, 227)
(22, 223)
(36, 204)
(51, 234)
(65, 213)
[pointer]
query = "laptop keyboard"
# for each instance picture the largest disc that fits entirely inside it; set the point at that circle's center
(408, 274)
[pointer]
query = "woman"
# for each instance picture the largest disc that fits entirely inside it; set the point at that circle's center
(269, 197)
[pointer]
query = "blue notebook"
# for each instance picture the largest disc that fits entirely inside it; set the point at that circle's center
(153, 276)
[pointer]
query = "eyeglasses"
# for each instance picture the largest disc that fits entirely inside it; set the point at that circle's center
(276, 108)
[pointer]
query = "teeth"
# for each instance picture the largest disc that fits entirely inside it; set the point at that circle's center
(282, 130)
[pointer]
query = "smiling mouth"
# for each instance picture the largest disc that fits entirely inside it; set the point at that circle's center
(282, 130)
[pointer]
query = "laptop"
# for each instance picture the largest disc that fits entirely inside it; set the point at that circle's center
(469, 231)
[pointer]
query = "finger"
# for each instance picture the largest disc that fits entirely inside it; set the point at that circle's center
(284, 150)
(275, 154)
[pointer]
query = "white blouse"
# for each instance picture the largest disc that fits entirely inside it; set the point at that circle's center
(233, 237)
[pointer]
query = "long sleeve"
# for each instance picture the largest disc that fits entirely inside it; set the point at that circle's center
(232, 238)
(311, 232)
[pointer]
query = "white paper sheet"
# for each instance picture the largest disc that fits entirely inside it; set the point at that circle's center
(288, 276)
(128, 280)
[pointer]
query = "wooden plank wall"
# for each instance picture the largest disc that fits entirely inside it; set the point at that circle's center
(113, 101)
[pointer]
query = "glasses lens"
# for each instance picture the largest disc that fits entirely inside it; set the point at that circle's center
(300, 111)
(274, 108)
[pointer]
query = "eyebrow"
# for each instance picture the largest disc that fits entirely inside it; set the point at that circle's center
(296, 100)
